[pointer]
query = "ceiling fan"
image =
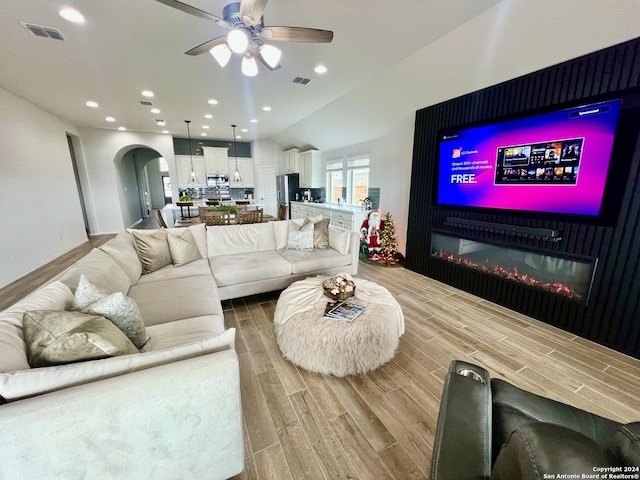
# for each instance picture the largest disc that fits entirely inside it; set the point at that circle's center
(247, 33)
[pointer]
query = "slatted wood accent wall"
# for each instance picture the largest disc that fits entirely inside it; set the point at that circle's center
(612, 316)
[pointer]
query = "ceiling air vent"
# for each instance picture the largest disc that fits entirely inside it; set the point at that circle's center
(40, 31)
(302, 80)
(144, 102)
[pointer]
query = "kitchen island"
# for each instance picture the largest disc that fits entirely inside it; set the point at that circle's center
(341, 216)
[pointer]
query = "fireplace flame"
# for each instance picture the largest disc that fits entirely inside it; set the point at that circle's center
(512, 274)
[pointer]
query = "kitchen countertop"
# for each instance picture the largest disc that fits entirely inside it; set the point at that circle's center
(333, 206)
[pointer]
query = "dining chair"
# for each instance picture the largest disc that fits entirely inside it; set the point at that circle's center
(249, 216)
(160, 218)
(214, 217)
(283, 212)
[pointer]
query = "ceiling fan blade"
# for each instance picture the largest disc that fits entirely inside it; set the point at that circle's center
(297, 34)
(251, 11)
(206, 46)
(183, 7)
(255, 52)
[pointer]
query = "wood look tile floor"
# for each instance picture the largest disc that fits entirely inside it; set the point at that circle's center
(381, 425)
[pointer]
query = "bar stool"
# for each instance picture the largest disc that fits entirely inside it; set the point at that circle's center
(182, 205)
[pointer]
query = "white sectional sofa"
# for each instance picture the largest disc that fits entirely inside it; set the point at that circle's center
(171, 412)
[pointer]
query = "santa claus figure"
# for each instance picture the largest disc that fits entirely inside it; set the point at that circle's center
(371, 230)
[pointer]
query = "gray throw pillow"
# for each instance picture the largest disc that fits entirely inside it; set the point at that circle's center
(153, 250)
(300, 237)
(124, 313)
(86, 294)
(59, 337)
(183, 249)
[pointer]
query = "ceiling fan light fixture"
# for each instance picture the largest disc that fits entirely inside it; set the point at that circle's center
(271, 55)
(221, 53)
(249, 66)
(238, 40)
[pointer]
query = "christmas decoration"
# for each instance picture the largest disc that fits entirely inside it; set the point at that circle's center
(379, 241)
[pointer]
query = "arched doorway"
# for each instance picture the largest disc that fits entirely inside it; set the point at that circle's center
(144, 182)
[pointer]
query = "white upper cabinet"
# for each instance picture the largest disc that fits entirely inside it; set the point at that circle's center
(183, 164)
(245, 166)
(309, 163)
(291, 160)
(216, 160)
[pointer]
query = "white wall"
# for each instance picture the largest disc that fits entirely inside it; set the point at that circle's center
(390, 170)
(40, 213)
(100, 149)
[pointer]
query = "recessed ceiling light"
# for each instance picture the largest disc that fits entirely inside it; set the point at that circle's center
(71, 14)
(212, 101)
(320, 69)
(92, 104)
(253, 120)
(238, 136)
(244, 130)
(165, 131)
(147, 93)
(266, 108)
(161, 123)
(203, 134)
(205, 127)
(110, 119)
(208, 115)
(155, 110)
(122, 129)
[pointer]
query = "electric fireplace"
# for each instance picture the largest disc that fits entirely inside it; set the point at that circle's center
(568, 276)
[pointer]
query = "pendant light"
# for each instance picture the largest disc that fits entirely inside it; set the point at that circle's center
(236, 175)
(193, 172)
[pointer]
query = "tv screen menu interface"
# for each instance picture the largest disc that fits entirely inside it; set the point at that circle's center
(556, 162)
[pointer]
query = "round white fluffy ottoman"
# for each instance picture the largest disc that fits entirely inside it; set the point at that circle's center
(337, 347)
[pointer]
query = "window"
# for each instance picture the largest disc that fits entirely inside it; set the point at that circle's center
(334, 180)
(357, 180)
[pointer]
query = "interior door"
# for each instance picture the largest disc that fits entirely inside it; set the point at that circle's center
(267, 189)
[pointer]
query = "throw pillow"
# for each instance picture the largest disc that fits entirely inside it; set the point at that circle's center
(124, 313)
(300, 237)
(339, 239)
(58, 337)
(183, 249)
(321, 233)
(153, 250)
(86, 294)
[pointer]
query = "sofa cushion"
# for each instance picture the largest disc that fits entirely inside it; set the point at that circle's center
(153, 250)
(26, 383)
(232, 239)
(300, 237)
(183, 249)
(176, 299)
(198, 231)
(280, 231)
(58, 337)
(339, 239)
(248, 267)
(54, 296)
(198, 267)
(315, 260)
(123, 251)
(101, 269)
(189, 330)
(321, 233)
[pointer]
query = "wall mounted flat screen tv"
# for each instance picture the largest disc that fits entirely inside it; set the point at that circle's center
(554, 162)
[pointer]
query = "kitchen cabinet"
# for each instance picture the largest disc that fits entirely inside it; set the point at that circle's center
(183, 166)
(310, 169)
(291, 160)
(348, 218)
(245, 165)
(216, 160)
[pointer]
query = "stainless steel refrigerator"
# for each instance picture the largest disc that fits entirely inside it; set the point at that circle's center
(287, 186)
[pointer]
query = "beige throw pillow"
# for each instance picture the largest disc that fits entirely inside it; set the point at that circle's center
(153, 250)
(300, 237)
(183, 249)
(59, 337)
(321, 234)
